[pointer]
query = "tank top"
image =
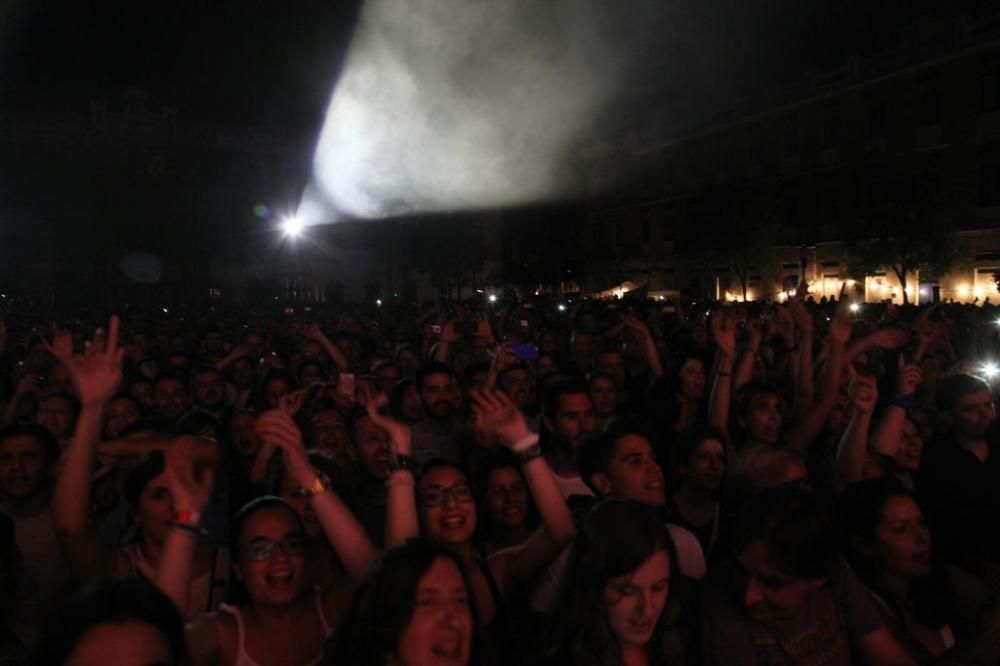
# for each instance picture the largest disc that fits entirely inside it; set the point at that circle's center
(244, 659)
(207, 591)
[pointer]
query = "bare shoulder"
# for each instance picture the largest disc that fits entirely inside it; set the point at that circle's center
(212, 638)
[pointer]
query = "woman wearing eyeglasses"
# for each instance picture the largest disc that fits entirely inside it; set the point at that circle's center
(440, 505)
(286, 620)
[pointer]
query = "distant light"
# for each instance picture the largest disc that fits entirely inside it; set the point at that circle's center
(963, 290)
(479, 291)
(493, 298)
(378, 301)
(292, 226)
(165, 311)
(998, 322)
(853, 307)
(562, 308)
(990, 369)
(978, 292)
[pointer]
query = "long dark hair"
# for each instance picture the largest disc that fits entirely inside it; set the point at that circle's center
(618, 536)
(383, 605)
(932, 598)
(133, 599)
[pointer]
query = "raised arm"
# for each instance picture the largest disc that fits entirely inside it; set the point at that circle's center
(724, 333)
(190, 489)
(314, 332)
(401, 522)
(805, 393)
(744, 369)
(495, 412)
(648, 346)
(341, 528)
(850, 460)
(889, 431)
(95, 376)
(235, 354)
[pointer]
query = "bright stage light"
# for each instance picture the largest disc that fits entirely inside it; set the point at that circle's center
(493, 298)
(292, 226)
(853, 307)
(990, 370)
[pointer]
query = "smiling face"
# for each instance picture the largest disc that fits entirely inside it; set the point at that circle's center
(604, 395)
(911, 446)
(706, 465)
(636, 601)
(439, 632)
(633, 472)
(763, 419)
(447, 512)
(277, 579)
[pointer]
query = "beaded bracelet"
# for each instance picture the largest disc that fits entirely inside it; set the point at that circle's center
(527, 455)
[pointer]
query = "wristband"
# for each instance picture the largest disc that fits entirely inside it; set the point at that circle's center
(186, 527)
(191, 518)
(317, 487)
(524, 443)
(404, 462)
(525, 456)
(905, 402)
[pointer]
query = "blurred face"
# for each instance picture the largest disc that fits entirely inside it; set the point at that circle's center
(156, 509)
(546, 365)
(636, 601)
(763, 423)
(583, 349)
(243, 373)
(128, 643)
(310, 374)
(59, 379)
(329, 433)
(692, 376)
(120, 414)
(447, 511)
(23, 467)
(768, 593)
(271, 558)
(371, 447)
(388, 376)
(170, 398)
(55, 414)
(840, 416)
(245, 441)
(973, 414)
(574, 419)
(440, 629)
(407, 362)
(706, 466)
(213, 341)
(439, 396)
(143, 392)
(209, 390)
(911, 446)
(506, 497)
(633, 473)
(604, 396)
(295, 495)
(612, 363)
(517, 385)
(276, 388)
(412, 405)
(902, 540)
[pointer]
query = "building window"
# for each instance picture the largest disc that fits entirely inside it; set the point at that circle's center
(214, 293)
(930, 108)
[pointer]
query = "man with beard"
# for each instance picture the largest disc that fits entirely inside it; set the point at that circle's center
(437, 435)
(208, 391)
(959, 480)
(27, 454)
(568, 416)
(170, 396)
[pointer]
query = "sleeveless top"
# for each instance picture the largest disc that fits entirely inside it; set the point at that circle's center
(244, 659)
(207, 591)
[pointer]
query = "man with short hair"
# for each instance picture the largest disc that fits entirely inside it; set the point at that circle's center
(959, 479)
(789, 598)
(568, 415)
(170, 396)
(437, 434)
(57, 413)
(208, 391)
(28, 453)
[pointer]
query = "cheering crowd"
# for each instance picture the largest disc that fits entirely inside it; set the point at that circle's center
(633, 482)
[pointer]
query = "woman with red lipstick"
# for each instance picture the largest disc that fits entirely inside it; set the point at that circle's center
(927, 606)
(620, 604)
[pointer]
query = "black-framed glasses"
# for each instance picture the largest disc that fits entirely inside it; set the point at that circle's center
(264, 549)
(435, 496)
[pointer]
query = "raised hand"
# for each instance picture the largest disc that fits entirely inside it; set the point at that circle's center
(841, 326)
(62, 344)
(277, 428)
(891, 337)
(190, 488)
(908, 378)
(314, 332)
(802, 317)
(863, 392)
(724, 332)
(483, 329)
(402, 441)
(291, 403)
(97, 373)
(495, 413)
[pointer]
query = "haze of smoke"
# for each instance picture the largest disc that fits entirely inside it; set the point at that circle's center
(459, 104)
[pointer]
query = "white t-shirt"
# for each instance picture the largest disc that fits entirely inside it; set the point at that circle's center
(690, 560)
(572, 485)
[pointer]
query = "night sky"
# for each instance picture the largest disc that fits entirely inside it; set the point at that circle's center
(275, 63)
